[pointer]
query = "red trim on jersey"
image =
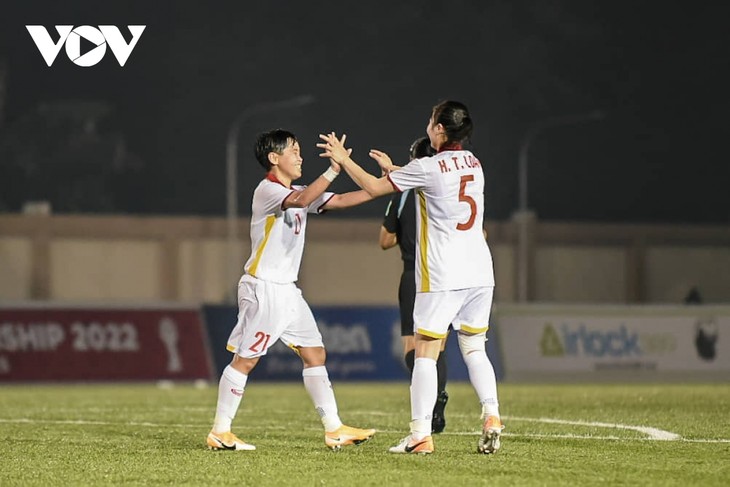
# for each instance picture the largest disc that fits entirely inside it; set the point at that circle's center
(270, 176)
(394, 185)
(320, 210)
(286, 198)
(454, 146)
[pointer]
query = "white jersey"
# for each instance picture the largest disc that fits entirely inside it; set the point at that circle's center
(451, 252)
(277, 235)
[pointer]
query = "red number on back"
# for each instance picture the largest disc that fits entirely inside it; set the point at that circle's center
(467, 199)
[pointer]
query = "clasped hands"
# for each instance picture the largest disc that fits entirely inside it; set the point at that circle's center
(334, 149)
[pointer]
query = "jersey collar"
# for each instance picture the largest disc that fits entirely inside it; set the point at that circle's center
(270, 176)
(449, 147)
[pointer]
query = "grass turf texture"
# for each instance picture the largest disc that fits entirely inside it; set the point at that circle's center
(141, 434)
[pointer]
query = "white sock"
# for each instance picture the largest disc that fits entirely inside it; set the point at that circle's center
(424, 383)
(318, 385)
(481, 375)
(230, 393)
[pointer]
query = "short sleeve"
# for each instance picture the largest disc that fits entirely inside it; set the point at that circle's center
(270, 197)
(390, 222)
(410, 176)
(316, 205)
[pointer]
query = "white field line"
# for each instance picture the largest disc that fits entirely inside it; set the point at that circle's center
(83, 422)
(653, 433)
(583, 437)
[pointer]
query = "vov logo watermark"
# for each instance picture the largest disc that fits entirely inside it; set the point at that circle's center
(71, 36)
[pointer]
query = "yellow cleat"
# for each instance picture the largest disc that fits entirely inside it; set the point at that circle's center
(346, 435)
(226, 441)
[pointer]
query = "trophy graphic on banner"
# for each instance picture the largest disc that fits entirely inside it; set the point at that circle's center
(169, 336)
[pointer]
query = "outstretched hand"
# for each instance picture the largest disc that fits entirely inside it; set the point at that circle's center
(334, 148)
(383, 160)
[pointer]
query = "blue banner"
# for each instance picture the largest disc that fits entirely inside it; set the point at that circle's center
(219, 320)
(363, 344)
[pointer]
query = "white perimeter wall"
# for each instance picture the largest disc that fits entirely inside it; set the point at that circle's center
(140, 259)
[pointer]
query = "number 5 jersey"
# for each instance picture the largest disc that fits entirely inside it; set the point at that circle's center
(451, 252)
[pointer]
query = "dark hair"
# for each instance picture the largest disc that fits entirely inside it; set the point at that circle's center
(421, 147)
(273, 141)
(454, 117)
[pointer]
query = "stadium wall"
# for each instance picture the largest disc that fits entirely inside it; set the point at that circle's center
(541, 343)
(56, 342)
(129, 259)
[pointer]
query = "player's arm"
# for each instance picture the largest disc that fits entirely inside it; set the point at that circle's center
(389, 230)
(384, 161)
(335, 150)
(387, 240)
(303, 198)
(347, 200)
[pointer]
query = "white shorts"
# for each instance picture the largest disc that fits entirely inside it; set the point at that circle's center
(464, 309)
(268, 312)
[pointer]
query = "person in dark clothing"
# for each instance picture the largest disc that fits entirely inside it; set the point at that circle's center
(399, 228)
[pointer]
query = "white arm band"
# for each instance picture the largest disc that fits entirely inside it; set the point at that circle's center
(330, 174)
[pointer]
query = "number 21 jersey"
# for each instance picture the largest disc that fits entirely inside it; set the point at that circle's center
(277, 233)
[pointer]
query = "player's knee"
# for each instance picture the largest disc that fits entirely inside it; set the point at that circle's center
(312, 356)
(244, 365)
(471, 343)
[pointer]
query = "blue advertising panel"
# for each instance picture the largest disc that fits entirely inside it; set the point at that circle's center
(362, 342)
(219, 321)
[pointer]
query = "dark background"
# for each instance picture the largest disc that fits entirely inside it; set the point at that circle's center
(149, 137)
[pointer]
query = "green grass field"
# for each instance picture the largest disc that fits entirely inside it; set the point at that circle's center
(555, 435)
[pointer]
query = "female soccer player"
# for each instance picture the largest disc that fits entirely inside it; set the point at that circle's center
(454, 275)
(399, 228)
(270, 306)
